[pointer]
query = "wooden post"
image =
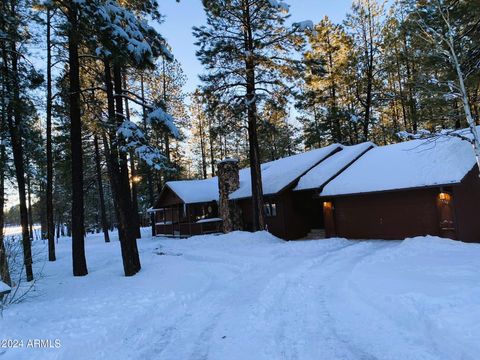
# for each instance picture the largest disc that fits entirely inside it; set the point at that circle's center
(173, 223)
(189, 220)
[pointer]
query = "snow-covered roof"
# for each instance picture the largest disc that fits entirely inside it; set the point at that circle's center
(195, 191)
(319, 175)
(411, 164)
(278, 174)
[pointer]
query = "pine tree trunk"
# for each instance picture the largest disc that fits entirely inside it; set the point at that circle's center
(111, 148)
(258, 220)
(148, 171)
(133, 175)
(368, 101)
(14, 121)
(412, 104)
(166, 136)
(336, 128)
(4, 270)
(369, 58)
(49, 190)
(118, 173)
(101, 196)
(202, 147)
(133, 172)
(131, 259)
(212, 156)
(30, 210)
(78, 233)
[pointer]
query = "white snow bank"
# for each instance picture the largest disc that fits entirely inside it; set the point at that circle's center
(410, 164)
(417, 300)
(204, 297)
(331, 166)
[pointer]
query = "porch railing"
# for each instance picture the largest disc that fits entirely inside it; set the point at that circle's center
(185, 229)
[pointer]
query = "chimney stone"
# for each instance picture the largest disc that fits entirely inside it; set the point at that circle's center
(228, 181)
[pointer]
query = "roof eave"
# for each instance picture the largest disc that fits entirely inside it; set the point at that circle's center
(393, 190)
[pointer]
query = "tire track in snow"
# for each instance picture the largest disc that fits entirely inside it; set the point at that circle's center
(279, 300)
(308, 331)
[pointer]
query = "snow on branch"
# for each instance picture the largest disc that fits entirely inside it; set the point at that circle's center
(426, 134)
(122, 29)
(280, 5)
(135, 140)
(160, 117)
(304, 25)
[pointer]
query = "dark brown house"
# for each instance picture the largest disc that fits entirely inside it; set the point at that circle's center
(187, 207)
(419, 187)
(291, 185)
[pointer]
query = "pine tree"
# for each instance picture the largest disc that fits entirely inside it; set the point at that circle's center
(4, 269)
(245, 48)
(365, 25)
(452, 28)
(323, 100)
(49, 185)
(199, 138)
(18, 77)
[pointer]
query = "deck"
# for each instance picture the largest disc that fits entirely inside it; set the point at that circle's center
(187, 229)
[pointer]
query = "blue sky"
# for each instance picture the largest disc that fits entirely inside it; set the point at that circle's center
(180, 17)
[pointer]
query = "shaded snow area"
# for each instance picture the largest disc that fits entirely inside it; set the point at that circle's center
(252, 296)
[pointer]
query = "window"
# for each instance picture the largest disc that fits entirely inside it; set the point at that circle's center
(270, 209)
(266, 209)
(273, 208)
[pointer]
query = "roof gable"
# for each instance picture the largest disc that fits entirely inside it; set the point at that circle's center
(195, 191)
(279, 174)
(327, 169)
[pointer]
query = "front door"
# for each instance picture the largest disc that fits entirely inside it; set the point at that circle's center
(329, 219)
(446, 215)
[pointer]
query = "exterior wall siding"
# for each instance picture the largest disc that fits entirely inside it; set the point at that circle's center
(389, 215)
(297, 214)
(466, 198)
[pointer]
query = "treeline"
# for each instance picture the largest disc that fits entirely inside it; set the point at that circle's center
(89, 91)
(384, 70)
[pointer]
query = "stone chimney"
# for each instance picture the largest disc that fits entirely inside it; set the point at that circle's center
(228, 181)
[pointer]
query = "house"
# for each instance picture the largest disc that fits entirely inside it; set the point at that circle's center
(278, 178)
(413, 188)
(311, 184)
(290, 188)
(187, 207)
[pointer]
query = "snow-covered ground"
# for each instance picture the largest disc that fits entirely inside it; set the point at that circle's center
(252, 296)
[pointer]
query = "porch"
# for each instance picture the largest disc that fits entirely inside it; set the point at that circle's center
(185, 220)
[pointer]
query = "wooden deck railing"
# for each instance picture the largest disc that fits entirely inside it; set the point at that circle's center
(186, 229)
